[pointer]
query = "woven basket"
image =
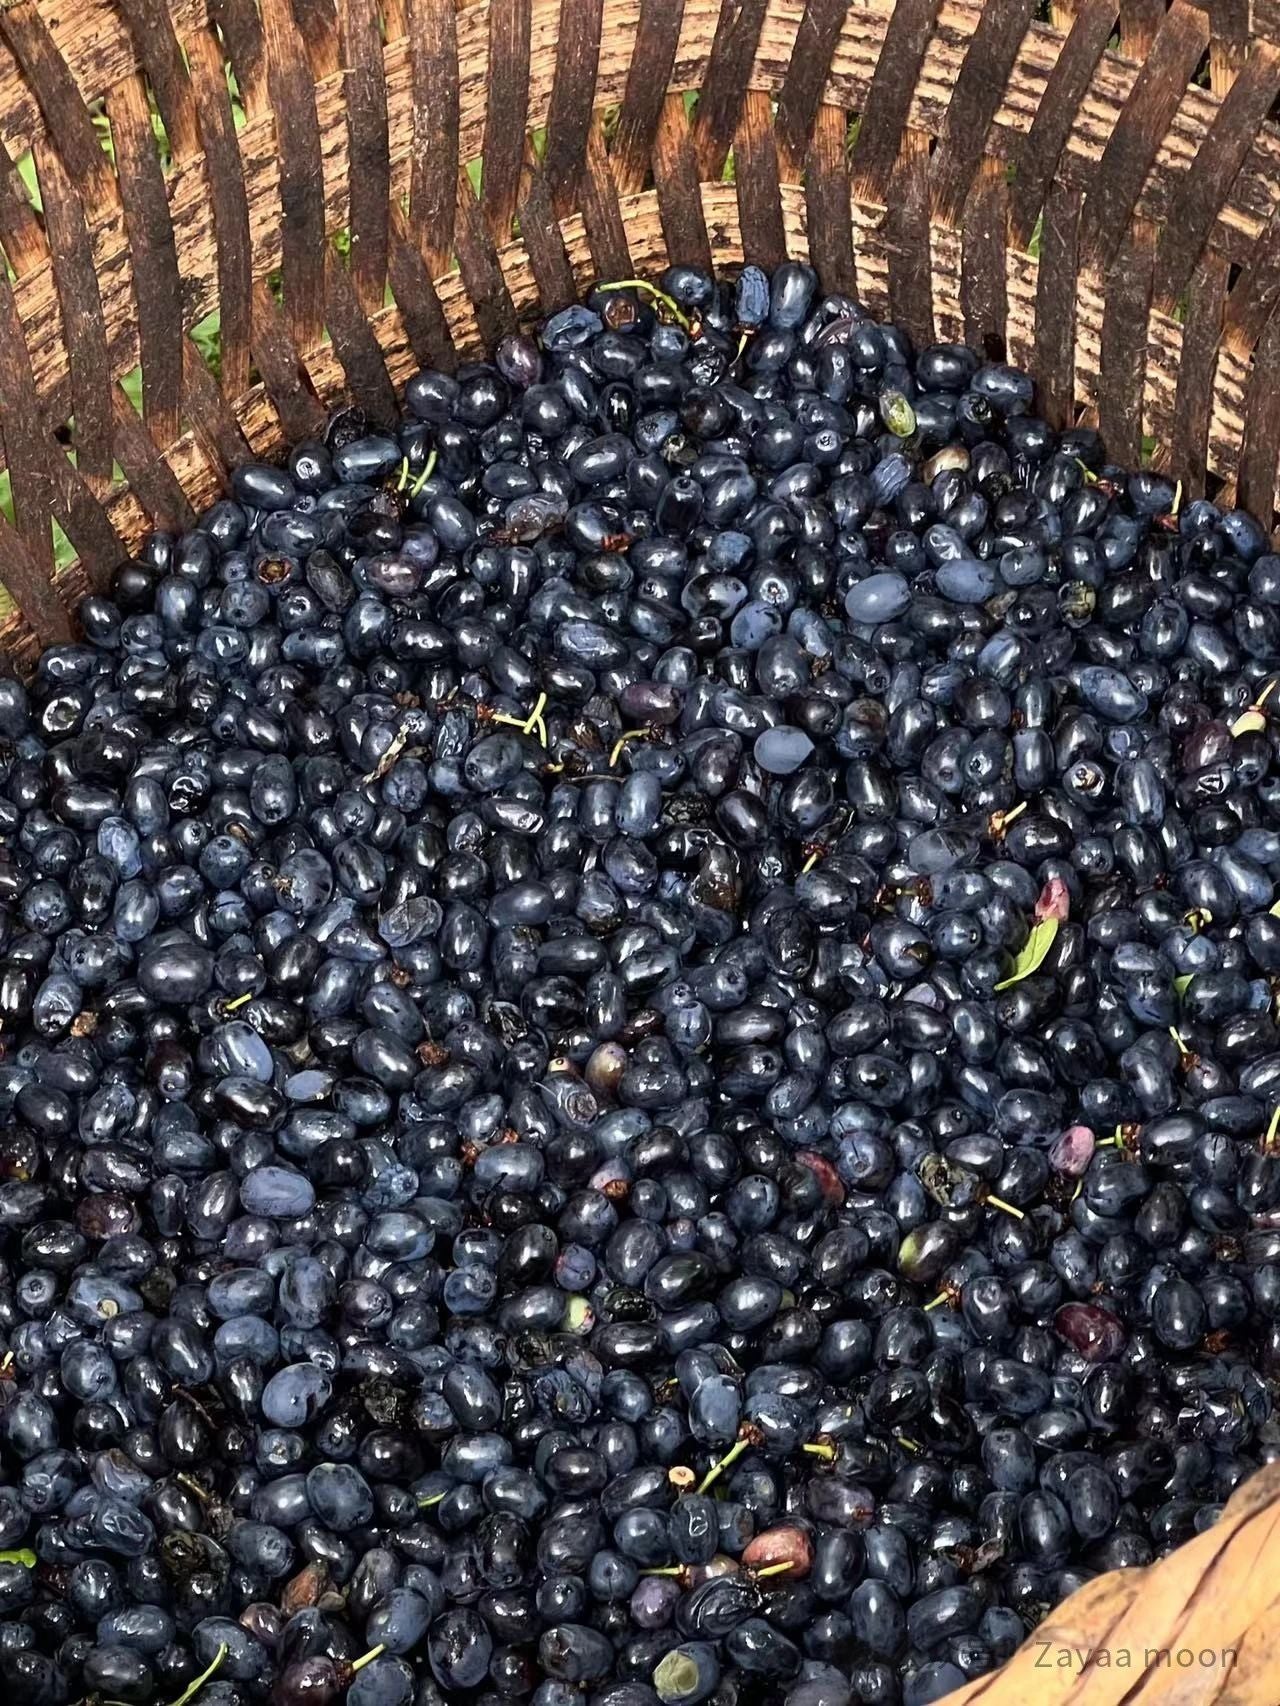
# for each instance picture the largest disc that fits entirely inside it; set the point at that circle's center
(1094, 191)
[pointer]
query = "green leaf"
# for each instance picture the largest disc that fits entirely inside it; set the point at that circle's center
(24, 1556)
(1180, 983)
(1033, 952)
(1275, 910)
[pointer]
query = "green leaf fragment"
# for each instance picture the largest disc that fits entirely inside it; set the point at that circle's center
(1180, 983)
(24, 1556)
(1033, 952)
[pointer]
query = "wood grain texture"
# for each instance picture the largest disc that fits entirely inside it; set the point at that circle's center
(1214, 1594)
(827, 201)
(84, 327)
(506, 114)
(572, 97)
(230, 234)
(726, 82)
(368, 149)
(302, 222)
(962, 145)
(1055, 305)
(1036, 159)
(1157, 92)
(888, 100)
(1188, 442)
(433, 177)
(675, 177)
(755, 165)
(156, 280)
(652, 60)
(1122, 364)
(1211, 174)
(806, 79)
(1003, 160)
(983, 285)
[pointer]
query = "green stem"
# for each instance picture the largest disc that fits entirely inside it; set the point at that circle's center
(193, 1688)
(642, 284)
(367, 1658)
(818, 1448)
(774, 1569)
(435, 1499)
(425, 475)
(999, 1202)
(713, 1474)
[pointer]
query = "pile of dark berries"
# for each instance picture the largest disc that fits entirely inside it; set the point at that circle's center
(640, 1058)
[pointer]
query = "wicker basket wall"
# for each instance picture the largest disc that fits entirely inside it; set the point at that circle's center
(1092, 189)
(1096, 191)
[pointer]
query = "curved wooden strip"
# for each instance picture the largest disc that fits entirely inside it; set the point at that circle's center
(28, 583)
(44, 482)
(368, 149)
(241, 30)
(302, 221)
(282, 372)
(1256, 292)
(1207, 184)
(151, 26)
(827, 202)
(1036, 159)
(1131, 150)
(675, 177)
(888, 100)
(506, 113)
(573, 90)
(213, 426)
(982, 277)
(726, 82)
(156, 280)
(1140, 22)
(906, 228)
(355, 345)
(1055, 311)
(648, 77)
(31, 490)
(1122, 361)
(65, 115)
(1197, 369)
(983, 75)
(83, 327)
(479, 269)
(435, 156)
(755, 170)
(542, 240)
(317, 22)
(150, 477)
(601, 216)
(418, 304)
(230, 210)
(806, 79)
(21, 236)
